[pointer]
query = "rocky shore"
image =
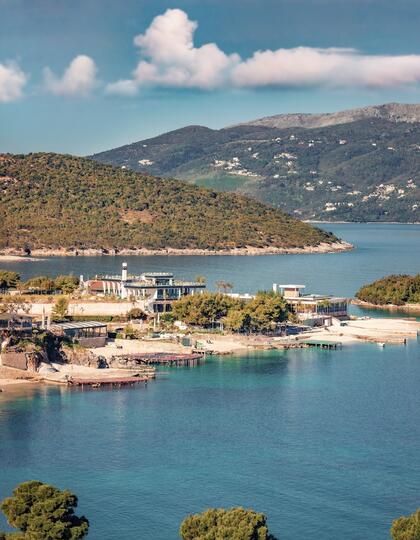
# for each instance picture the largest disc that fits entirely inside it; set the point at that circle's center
(13, 255)
(412, 308)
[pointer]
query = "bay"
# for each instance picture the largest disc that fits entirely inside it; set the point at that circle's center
(324, 442)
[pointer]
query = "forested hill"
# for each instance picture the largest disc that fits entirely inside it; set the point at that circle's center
(397, 290)
(363, 170)
(58, 201)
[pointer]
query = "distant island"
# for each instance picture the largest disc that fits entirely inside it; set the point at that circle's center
(56, 204)
(359, 165)
(392, 291)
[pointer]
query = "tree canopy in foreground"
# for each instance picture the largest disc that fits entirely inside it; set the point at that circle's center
(407, 527)
(43, 512)
(231, 524)
(395, 289)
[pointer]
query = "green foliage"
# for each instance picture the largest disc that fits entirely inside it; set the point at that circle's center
(260, 314)
(395, 289)
(406, 528)
(376, 153)
(232, 524)
(40, 283)
(66, 284)
(203, 309)
(54, 201)
(8, 279)
(43, 512)
(60, 308)
(136, 313)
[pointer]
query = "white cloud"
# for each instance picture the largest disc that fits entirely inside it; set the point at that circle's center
(79, 79)
(12, 81)
(306, 66)
(170, 58)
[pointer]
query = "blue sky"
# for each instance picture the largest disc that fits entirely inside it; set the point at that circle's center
(81, 76)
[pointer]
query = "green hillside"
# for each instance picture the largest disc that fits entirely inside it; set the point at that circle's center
(364, 170)
(52, 201)
(396, 290)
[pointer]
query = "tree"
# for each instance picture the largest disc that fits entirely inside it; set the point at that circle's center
(231, 524)
(43, 512)
(66, 284)
(60, 308)
(224, 286)
(406, 527)
(40, 283)
(237, 320)
(136, 313)
(266, 310)
(8, 279)
(203, 309)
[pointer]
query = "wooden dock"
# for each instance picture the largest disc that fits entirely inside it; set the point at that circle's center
(322, 344)
(161, 359)
(107, 381)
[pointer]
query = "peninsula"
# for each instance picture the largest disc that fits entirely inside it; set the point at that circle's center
(56, 204)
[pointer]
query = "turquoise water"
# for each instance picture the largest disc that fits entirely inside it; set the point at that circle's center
(381, 249)
(325, 442)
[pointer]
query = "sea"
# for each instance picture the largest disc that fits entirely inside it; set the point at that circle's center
(325, 443)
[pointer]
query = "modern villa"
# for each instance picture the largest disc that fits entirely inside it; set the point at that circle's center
(154, 291)
(313, 308)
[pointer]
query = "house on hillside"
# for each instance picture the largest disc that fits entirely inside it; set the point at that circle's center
(154, 291)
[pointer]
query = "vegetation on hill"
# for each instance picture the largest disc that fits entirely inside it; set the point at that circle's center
(53, 201)
(362, 170)
(397, 289)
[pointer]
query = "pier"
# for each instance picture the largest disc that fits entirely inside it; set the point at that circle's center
(107, 381)
(322, 344)
(161, 359)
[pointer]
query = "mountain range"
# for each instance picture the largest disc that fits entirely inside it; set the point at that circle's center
(356, 165)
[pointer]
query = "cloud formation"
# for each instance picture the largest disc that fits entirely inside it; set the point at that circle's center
(169, 58)
(12, 82)
(79, 79)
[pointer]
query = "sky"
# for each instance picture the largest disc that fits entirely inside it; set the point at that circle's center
(81, 76)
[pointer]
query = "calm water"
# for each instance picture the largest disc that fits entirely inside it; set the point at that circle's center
(325, 442)
(381, 249)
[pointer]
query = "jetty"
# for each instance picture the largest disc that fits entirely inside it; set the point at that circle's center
(160, 359)
(322, 344)
(107, 381)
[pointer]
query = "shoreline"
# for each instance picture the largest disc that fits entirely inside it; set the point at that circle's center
(408, 308)
(334, 247)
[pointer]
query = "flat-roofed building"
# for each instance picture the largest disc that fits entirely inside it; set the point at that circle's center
(154, 291)
(317, 308)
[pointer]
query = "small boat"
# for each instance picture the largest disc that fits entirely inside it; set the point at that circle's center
(381, 344)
